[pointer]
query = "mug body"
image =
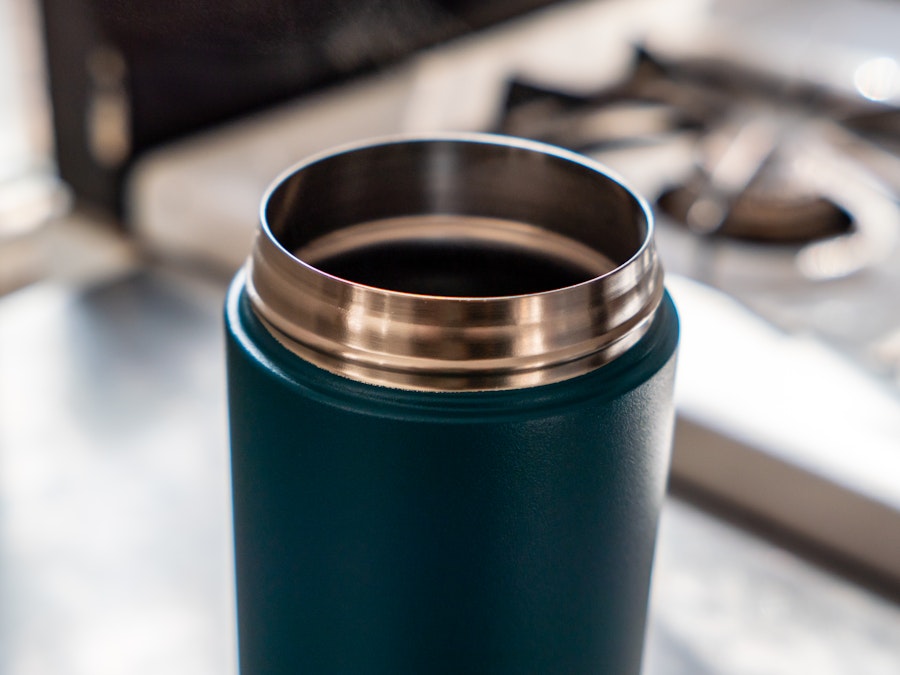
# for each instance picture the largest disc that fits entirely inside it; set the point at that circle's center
(450, 403)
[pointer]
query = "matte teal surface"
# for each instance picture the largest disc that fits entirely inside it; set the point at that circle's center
(387, 531)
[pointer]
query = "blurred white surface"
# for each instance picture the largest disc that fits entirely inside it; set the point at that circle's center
(30, 194)
(786, 428)
(115, 549)
(115, 530)
(25, 136)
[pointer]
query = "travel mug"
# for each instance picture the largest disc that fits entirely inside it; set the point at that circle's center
(450, 371)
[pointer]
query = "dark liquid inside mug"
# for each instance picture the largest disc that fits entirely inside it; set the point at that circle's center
(454, 269)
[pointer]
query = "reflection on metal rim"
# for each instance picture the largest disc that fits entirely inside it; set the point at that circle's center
(474, 262)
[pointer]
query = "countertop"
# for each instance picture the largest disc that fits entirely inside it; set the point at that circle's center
(115, 533)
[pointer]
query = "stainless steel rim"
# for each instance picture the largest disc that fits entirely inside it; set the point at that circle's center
(498, 190)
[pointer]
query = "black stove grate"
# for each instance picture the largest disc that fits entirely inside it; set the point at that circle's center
(749, 131)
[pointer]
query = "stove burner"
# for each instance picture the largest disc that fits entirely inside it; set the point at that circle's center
(645, 106)
(745, 187)
(749, 132)
(759, 216)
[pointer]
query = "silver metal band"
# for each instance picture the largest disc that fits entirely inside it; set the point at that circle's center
(523, 200)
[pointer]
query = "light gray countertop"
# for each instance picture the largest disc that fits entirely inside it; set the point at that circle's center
(115, 548)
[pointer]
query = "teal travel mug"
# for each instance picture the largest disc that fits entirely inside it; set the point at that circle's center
(450, 372)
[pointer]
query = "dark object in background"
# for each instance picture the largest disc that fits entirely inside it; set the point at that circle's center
(127, 76)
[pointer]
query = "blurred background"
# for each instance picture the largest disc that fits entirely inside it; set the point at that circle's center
(137, 138)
